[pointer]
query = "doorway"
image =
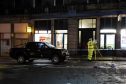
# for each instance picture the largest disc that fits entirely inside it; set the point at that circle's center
(61, 40)
(84, 35)
(5, 47)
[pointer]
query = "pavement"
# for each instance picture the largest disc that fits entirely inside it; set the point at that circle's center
(7, 59)
(74, 61)
(75, 71)
(78, 62)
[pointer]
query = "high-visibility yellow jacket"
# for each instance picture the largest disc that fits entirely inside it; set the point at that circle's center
(90, 45)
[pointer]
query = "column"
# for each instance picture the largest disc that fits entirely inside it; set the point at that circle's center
(73, 36)
(52, 31)
(117, 39)
(12, 35)
(31, 34)
(98, 32)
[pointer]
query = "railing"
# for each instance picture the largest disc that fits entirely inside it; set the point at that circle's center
(100, 52)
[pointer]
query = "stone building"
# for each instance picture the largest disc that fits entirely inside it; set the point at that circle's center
(64, 23)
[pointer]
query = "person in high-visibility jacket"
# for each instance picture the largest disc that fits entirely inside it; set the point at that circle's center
(90, 48)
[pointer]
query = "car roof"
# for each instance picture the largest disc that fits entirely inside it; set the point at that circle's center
(36, 42)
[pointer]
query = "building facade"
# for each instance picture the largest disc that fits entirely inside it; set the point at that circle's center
(64, 23)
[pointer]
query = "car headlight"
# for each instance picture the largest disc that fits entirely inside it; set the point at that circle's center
(65, 52)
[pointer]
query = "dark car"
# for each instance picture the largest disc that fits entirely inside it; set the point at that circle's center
(37, 50)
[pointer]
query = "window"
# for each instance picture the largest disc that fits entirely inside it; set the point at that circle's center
(123, 22)
(61, 24)
(87, 23)
(41, 45)
(123, 38)
(43, 25)
(108, 23)
(107, 41)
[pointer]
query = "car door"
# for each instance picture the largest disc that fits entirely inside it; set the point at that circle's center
(33, 50)
(46, 51)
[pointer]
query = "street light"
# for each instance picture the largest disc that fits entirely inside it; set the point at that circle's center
(29, 30)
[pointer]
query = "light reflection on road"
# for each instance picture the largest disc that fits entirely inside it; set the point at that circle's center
(42, 62)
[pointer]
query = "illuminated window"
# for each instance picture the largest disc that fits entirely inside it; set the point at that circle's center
(108, 31)
(110, 41)
(42, 36)
(61, 31)
(107, 41)
(102, 41)
(87, 23)
(123, 38)
(20, 27)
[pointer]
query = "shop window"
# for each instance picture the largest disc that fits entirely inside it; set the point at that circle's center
(102, 41)
(60, 31)
(108, 31)
(20, 27)
(61, 41)
(110, 41)
(5, 27)
(123, 38)
(43, 36)
(87, 23)
(61, 38)
(107, 41)
(107, 38)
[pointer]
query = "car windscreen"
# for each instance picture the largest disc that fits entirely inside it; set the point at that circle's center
(49, 45)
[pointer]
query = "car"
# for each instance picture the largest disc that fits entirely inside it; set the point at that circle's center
(39, 50)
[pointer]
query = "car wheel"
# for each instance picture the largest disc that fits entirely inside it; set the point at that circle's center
(21, 60)
(55, 59)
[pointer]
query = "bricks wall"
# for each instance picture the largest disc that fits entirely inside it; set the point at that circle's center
(72, 36)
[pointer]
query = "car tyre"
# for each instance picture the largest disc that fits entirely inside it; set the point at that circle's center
(55, 59)
(21, 59)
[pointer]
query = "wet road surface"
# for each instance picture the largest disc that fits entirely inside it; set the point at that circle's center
(73, 72)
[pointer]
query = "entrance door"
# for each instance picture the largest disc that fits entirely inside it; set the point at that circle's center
(61, 41)
(84, 35)
(5, 46)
